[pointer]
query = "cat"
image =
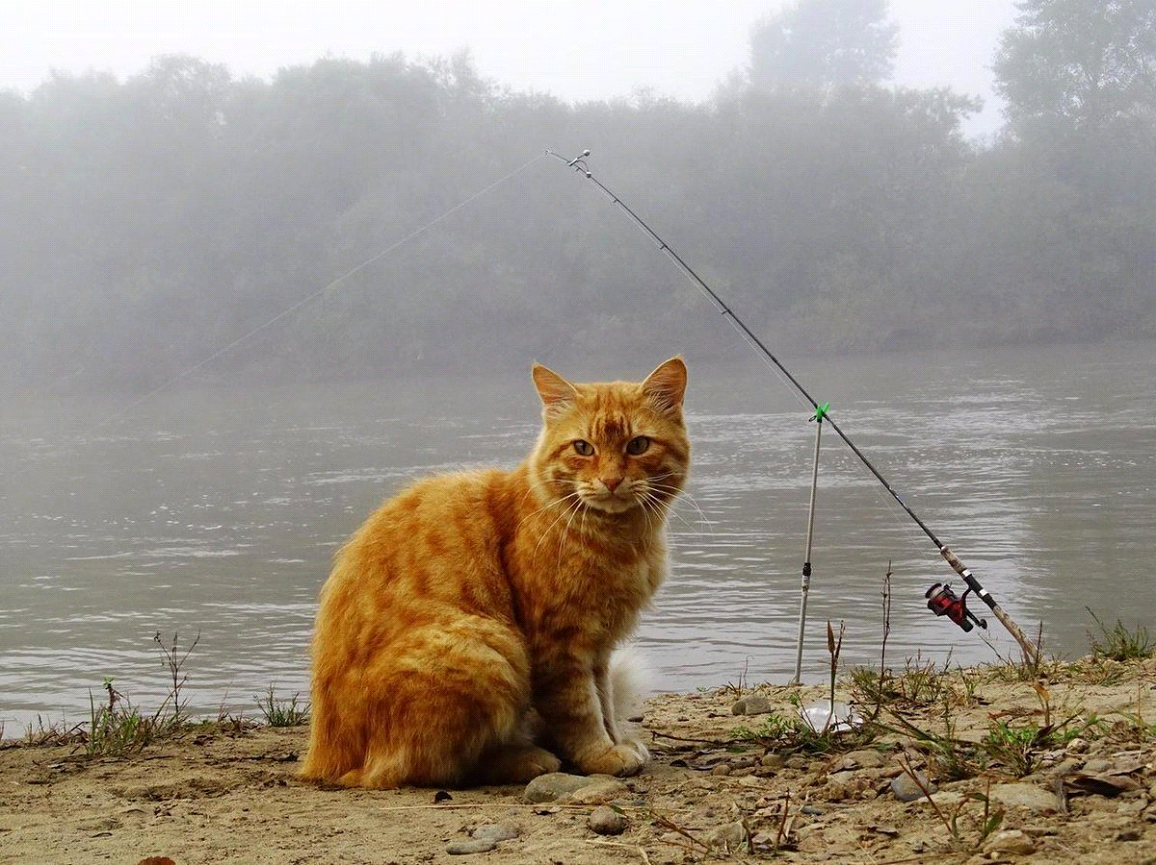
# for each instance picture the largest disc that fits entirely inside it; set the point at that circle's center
(465, 633)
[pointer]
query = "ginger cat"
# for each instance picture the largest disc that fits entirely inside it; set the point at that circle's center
(465, 633)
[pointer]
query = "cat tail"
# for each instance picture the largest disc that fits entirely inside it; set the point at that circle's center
(630, 683)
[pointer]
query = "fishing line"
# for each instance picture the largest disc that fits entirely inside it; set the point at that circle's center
(184, 374)
(941, 600)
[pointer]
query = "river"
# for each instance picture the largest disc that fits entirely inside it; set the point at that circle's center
(215, 510)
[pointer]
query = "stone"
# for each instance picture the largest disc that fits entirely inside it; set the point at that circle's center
(1098, 767)
(606, 821)
(772, 761)
(495, 832)
(721, 769)
(730, 836)
(905, 789)
(863, 759)
(551, 786)
(600, 791)
(472, 845)
(1027, 796)
(755, 704)
(1010, 842)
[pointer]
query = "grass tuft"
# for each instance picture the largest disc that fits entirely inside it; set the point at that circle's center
(1120, 644)
(281, 712)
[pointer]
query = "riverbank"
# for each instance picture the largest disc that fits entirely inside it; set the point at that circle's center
(999, 764)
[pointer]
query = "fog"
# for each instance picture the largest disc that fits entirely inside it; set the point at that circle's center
(391, 227)
(183, 218)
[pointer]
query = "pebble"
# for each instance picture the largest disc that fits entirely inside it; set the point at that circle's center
(1010, 841)
(1022, 795)
(606, 821)
(495, 832)
(772, 761)
(756, 704)
(906, 790)
(549, 787)
(1098, 767)
(863, 759)
(730, 836)
(472, 845)
(602, 790)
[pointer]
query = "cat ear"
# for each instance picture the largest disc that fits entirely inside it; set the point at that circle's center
(556, 393)
(666, 386)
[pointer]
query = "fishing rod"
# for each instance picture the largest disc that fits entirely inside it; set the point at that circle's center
(941, 600)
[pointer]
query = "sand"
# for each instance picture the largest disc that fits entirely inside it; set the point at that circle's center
(711, 791)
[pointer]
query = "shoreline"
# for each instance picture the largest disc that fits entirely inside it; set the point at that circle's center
(999, 763)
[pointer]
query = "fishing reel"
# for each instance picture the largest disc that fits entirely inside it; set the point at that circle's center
(942, 601)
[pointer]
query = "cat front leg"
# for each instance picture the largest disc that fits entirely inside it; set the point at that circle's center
(570, 702)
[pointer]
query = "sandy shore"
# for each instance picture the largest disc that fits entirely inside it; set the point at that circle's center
(720, 786)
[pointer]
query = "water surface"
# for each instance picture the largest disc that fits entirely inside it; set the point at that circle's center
(215, 511)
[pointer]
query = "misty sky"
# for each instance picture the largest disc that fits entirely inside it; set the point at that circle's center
(574, 50)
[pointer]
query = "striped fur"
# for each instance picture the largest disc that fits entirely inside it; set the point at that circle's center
(465, 633)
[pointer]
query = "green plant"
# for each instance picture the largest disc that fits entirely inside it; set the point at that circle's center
(1120, 644)
(116, 727)
(281, 712)
(1015, 747)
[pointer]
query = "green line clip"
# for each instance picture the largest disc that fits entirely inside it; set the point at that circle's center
(821, 412)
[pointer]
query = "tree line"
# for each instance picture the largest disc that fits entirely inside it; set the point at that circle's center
(398, 210)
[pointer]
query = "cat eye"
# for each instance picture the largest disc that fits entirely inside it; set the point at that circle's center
(637, 445)
(584, 448)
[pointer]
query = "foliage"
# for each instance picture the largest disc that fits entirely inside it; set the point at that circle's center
(824, 44)
(1118, 643)
(279, 712)
(1085, 63)
(275, 226)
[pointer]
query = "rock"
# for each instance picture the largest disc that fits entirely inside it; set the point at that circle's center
(495, 832)
(755, 704)
(1027, 796)
(602, 790)
(730, 836)
(751, 781)
(548, 787)
(798, 762)
(606, 821)
(1098, 767)
(1010, 842)
(863, 759)
(1129, 835)
(472, 845)
(721, 769)
(772, 761)
(905, 789)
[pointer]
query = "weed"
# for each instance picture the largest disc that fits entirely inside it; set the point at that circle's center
(1120, 644)
(1015, 747)
(279, 712)
(117, 727)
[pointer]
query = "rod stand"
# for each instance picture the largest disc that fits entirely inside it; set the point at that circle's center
(817, 417)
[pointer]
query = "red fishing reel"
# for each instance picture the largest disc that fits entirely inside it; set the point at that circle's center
(942, 601)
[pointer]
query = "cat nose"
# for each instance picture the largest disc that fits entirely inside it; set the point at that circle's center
(611, 483)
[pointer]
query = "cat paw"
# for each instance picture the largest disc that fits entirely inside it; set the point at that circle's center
(623, 760)
(519, 766)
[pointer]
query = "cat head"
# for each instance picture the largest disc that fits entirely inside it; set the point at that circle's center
(612, 447)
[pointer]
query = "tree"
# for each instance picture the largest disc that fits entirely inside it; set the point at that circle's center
(1078, 63)
(825, 44)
